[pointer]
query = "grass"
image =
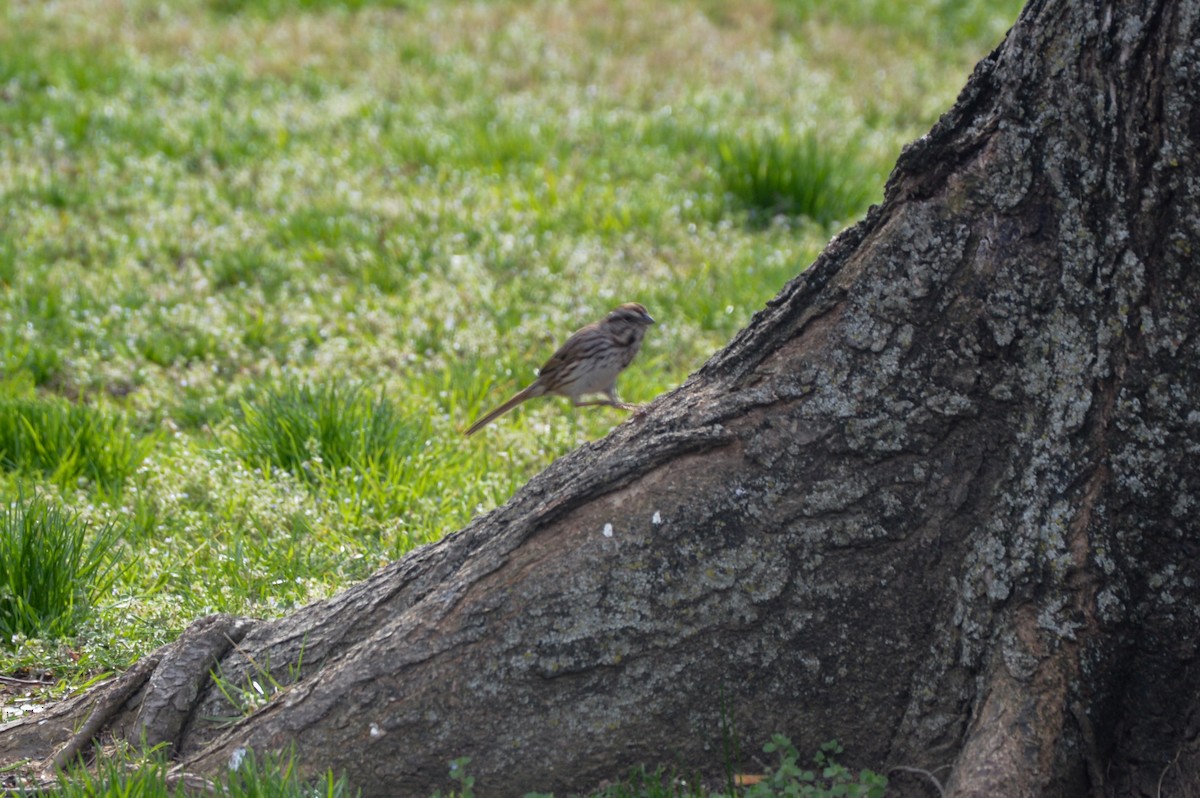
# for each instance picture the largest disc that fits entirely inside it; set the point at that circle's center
(792, 175)
(69, 444)
(358, 451)
(261, 261)
(52, 571)
(146, 776)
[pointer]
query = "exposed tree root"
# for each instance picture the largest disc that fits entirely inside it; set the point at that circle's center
(108, 703)
(149, 703)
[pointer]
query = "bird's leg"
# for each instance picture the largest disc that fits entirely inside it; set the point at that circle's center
(637, 410)
(611, 400)
(607, 403)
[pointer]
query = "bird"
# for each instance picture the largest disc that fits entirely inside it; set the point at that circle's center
(588, 363)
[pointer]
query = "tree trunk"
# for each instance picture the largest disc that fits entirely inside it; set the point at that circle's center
(939, 501)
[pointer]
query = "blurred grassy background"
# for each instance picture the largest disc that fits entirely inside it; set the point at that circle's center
(262, 260)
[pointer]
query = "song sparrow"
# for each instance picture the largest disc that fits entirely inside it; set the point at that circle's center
(588, 363)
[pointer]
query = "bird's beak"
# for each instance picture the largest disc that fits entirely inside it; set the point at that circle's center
(650, 318)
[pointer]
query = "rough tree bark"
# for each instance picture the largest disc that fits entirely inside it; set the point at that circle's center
(939, 500)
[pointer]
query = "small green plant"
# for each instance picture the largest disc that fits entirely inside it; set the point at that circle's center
(825, 780)
(466, 782)
(68, 443)
(258, 691)
(50, 572)
(260, 687)
(792, 175)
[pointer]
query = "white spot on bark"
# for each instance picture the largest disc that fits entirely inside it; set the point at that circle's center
(657, 519)
(376, 731)
(235, 759)
(608, 530)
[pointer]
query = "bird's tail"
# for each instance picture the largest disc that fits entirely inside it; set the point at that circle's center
(521, 396)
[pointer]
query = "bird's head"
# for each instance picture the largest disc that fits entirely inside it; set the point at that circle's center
(631, 313)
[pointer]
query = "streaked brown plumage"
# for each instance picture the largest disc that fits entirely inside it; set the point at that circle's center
(588, 363)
